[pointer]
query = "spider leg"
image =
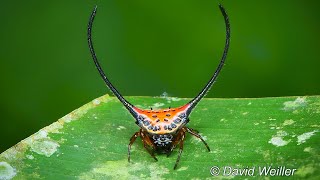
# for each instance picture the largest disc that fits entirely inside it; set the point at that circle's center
(149, 151)
(147, 142)
(194, 133)
(170, 150)
(180, 149)
(132, 139)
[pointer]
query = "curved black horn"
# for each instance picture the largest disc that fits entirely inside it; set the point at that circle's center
(102, 74)
(203, 92)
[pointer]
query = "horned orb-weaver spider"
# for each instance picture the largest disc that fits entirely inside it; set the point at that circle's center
(162, 130)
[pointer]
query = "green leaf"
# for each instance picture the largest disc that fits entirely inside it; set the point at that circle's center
(91, 142)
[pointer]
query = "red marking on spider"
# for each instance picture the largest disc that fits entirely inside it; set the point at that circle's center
(162, 130)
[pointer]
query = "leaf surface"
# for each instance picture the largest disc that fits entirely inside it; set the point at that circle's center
(91, 142)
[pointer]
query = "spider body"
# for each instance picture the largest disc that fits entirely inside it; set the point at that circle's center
(162, 130)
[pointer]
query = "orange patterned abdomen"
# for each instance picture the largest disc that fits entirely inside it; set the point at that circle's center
(162, 121)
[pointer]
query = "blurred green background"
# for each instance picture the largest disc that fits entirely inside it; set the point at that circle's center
(148, 48)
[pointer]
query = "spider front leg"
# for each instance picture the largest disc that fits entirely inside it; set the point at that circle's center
(181, 141)
(147, 142)
(194, 133)
(132, 139)
(149, 151)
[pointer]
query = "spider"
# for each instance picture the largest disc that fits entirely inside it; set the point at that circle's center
(162, 130)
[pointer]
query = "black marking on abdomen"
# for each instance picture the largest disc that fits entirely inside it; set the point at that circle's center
(173, 125)
(146, 123)
(156, 128)
(177, 121)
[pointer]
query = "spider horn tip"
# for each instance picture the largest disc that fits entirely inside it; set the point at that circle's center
(95, 8)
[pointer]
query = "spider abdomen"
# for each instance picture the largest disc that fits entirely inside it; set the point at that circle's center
(162, 122)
